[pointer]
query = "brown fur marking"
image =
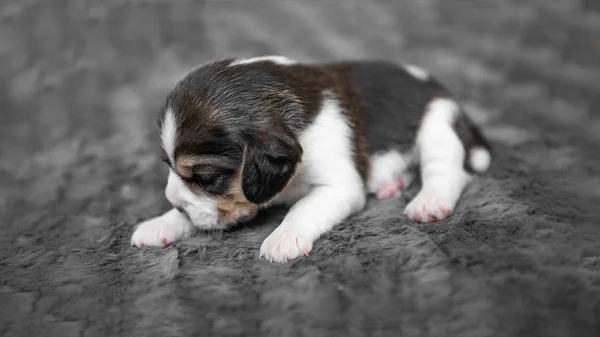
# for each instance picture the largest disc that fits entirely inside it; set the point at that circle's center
(233, 205)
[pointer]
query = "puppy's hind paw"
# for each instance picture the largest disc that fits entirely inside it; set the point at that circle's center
(390, 189)
(429, 206)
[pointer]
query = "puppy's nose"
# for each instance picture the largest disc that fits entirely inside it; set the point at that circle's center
(178, 205)
(182, 211)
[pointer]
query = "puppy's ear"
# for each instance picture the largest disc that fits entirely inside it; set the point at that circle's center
(269, 164)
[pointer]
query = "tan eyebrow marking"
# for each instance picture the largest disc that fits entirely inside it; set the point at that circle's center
(186, 163)
(189, 161)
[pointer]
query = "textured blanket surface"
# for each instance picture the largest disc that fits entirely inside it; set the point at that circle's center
(81, 83)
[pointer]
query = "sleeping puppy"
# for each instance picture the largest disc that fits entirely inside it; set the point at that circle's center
(240, 135)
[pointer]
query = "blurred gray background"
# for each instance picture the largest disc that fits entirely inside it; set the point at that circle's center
(81, 83)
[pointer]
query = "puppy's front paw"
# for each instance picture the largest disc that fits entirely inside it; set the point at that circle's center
(285, 244)
(430, 205)
(158, 232)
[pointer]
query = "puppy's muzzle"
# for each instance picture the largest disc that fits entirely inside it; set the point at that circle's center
(178, 206)
(176, 202)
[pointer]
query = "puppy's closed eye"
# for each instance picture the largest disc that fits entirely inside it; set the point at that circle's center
(207, 179)
(210, 179)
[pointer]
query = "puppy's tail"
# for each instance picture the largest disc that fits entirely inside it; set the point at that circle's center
(478, 152)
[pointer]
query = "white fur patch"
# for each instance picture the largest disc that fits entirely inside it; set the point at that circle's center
(479, 159)
(441, 154)
(416, 72)
(336, 188)
(162, 231)
(202, 211)
(168, 133)
(439, 113)
(273, 58)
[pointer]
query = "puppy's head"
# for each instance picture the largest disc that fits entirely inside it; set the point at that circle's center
(229, 134)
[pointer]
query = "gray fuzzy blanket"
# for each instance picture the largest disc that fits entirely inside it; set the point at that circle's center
(81, 84)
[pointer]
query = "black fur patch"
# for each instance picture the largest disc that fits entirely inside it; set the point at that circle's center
(393, 103)
(269, 165)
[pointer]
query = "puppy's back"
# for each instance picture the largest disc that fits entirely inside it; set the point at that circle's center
(393, 100)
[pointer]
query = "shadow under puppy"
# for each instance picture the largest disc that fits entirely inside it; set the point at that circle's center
(244, 134)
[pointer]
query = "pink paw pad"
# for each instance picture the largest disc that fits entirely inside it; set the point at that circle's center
(166, 237)
(388, 189)
(446, 212)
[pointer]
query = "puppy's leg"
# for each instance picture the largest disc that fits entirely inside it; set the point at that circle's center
(318, 212)
(335, 187)
(162, 230)
(442, 158)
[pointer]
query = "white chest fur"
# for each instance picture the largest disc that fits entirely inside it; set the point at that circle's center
(327, 159)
